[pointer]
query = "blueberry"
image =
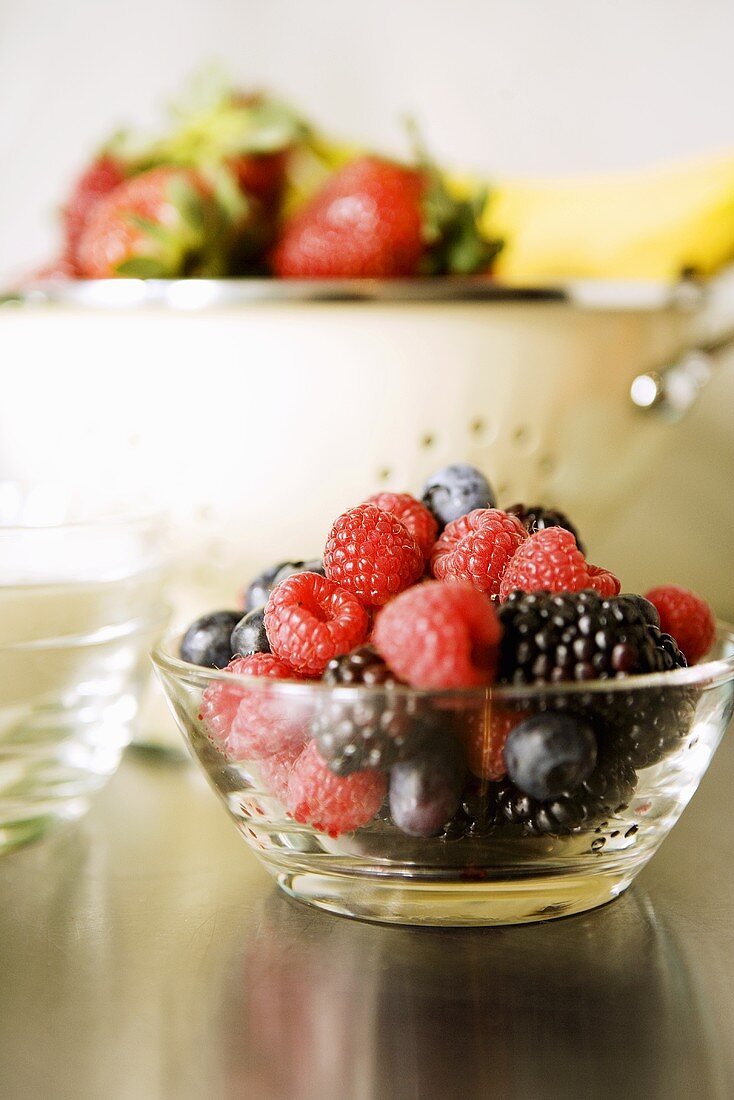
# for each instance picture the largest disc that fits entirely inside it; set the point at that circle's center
(259, 590)
(316, 565)
(456, 490)
(207, 641)
(249, 635)
(648, 610)
(425, 792)
(550, 755)
(264, 583)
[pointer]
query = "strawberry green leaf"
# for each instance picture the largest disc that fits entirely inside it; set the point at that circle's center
(142, 267)
(455, 244)
(268, 127)
(231, 202)
(188, 202)
(154, 230)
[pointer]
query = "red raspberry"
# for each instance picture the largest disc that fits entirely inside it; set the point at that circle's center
(331, 803)
(550, 560)
(687, 617)
(477, 548)
(484, 740)
(219, 705)
(309, 620)
(604, 582)
(439, 636)
(252, 723)
(372, 554)
(275, 772)
(413, 515)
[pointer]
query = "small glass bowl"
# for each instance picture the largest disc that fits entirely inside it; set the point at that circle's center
(489, 866)
(80, 607)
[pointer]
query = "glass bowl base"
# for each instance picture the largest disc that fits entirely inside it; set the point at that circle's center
(453, 904)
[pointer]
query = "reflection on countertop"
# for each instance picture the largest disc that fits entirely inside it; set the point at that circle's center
(146, 954)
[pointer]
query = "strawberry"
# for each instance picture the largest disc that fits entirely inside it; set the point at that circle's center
(103, 175)
(164, 223)
(261, 175)
(378, 219)
(62, 267)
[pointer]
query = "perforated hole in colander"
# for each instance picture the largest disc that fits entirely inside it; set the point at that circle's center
(523, 438)
(547, 465)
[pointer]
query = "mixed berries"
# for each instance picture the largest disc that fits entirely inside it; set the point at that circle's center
(416, 609)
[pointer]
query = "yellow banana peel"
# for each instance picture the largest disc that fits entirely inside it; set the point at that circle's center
(643, 225)
(651, 224)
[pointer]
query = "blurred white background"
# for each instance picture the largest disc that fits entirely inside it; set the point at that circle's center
(526, 86)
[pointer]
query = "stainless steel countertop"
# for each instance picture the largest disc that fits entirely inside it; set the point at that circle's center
(146, 955)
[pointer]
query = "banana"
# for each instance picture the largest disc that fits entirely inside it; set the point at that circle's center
(642, 225)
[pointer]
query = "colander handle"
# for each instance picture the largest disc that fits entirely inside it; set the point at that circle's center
(672, 389)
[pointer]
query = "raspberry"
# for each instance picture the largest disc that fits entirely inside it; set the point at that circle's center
(413, 515)
(603, 582)
(331, 803)
(535, 517)
(477, 548)
(258, 591)
(244, 723)
(439, 636)
(550, 560)
(309, 620)
(372, 554)
(275, 772)
(484, 739)
(687, 617)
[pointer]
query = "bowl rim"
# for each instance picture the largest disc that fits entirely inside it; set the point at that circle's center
(707, 675)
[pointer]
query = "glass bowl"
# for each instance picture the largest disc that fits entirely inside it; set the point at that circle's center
(501, 859)
(80, 607)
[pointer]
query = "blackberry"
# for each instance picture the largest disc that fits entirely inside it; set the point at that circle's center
(363, 666)
(647, 725)
(479, 813)
(551, 638)
(606, 791)
(648, 610)
(554, 637)
(534, 517)
(366, 731)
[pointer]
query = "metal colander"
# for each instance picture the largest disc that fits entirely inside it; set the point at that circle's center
(254, 411)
